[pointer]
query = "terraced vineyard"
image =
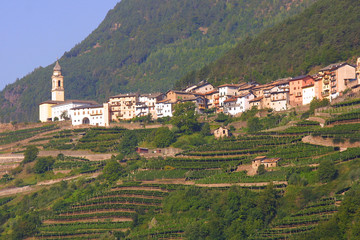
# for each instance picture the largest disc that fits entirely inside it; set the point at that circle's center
(113, 210)
(303, 221)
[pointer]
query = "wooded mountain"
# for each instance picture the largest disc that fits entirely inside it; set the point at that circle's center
(327, 32)
(146, 46)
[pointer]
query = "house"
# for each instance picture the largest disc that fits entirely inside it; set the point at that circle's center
(200, 102)
(174, 95)
(228, 90)
(337, 78)
(148, 101)
(263, 160)
(123, 106)
(221, 132)
(256, 102)
(238, 104)
(295, 89)
(164, 108)
(212, 98)
(201, 87)
(95, 115)
(308, 90)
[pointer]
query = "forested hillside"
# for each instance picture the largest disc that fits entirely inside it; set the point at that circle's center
(146, 46)
(327, 32)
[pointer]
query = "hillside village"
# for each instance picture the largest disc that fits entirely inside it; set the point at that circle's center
(233, 99)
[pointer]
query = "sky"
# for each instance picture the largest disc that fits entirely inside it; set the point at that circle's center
(35, 33)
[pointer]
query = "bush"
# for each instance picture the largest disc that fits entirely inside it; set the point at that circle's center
(164, 137)
(112, 170)
(30, 154)
(327, 171)
(44, 164)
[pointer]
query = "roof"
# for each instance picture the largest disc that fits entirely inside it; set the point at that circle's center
(180, 92)
(259, 158)
(153, 95)
(87, 106)
(231, 85)
(212, 92)
(256, 99)
(282, 81)
(125, 95)
(77, 101)
(333, 66)
(299, 77)
(164, 101)
(51, 102)
(270, 160)
(232, 99)
(57, 66)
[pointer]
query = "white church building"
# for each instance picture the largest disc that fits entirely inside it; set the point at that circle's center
(59, 109)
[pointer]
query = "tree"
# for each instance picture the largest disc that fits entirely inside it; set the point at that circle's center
(112, 170)
(44, 164)
(26, 226)
(205, 129)
(164, 137)
(327, 171)
(254, 124)
(30, 154)
(261, 169)
(128, 143)
(185, 117)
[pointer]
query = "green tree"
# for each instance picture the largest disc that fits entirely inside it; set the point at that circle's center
(30, 154)
(261, 169)
(185, 117)
(164, 137)
(112, 170)
(128, 143)
(327, 171)
(254, 124)
(205, 129)
(44, 164)
(26, 226)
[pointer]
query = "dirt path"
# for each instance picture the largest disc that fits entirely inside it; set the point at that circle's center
(16, 190)
(54, 221)
(183, 182)
(329, 143)
(82, 153)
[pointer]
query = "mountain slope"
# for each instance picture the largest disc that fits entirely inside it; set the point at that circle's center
(326, 32)
(146, 46)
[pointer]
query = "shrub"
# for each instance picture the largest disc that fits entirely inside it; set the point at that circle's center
(30, 154)
(44, 164)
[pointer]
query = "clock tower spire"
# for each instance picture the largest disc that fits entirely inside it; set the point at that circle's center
(57, 91)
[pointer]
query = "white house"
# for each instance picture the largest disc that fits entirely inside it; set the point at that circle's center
(238, 104)
(95, 115)
(308, 93)
(226, 91)
(59, 111)
(164, 108)
(279, 96)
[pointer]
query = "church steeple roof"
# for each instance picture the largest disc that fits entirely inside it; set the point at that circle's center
(57, 66)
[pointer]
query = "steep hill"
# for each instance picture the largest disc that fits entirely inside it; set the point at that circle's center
(326, 32)
(146, 46)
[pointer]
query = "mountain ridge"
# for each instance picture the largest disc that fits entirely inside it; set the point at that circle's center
(146, 46)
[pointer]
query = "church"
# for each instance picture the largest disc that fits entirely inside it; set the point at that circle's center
(78, 111)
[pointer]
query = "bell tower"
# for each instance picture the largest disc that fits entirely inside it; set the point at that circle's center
(57, 91)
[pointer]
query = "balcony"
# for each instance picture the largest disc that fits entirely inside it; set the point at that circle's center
(325, 94)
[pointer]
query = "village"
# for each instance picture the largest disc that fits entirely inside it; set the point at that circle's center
(232, 99)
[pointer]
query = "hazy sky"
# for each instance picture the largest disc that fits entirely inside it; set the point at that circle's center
(34, 33)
